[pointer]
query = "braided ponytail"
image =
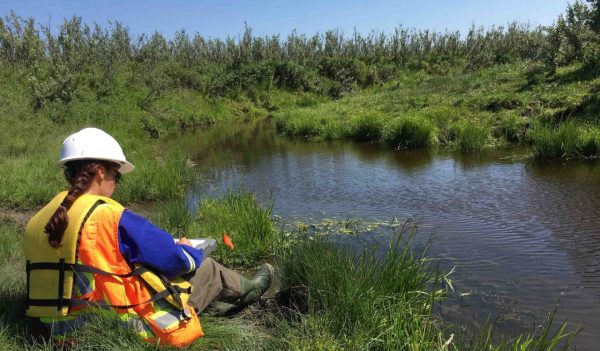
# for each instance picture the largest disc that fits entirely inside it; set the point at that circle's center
(80, 175)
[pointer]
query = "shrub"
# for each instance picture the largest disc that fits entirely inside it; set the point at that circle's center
(469, 136)
(563, 141)
(409, 132)
(294, 76)
(366, 127)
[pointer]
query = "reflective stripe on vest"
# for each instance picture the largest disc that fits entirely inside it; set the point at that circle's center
(83, 282)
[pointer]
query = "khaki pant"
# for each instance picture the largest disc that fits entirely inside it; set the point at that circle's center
(210, 282)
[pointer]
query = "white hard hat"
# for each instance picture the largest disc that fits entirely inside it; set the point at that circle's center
(93, 143)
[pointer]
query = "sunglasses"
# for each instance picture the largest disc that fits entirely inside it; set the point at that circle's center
(117, 177)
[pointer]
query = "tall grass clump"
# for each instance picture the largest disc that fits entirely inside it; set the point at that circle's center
(302, 124)
(563, 141)
(366, 127)
(513, 128)
(359, 301)
(591, 143)
(245, 221)
(409, 132)
(545, 337)
(343, 298)
(470, 137)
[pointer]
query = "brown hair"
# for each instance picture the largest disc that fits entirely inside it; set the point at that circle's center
(79, 174)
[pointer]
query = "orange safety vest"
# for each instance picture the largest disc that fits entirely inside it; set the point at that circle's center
(88, 270)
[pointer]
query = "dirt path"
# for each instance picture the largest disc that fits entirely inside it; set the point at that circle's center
(18, 216)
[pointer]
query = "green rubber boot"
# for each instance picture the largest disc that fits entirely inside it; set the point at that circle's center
(252, 289)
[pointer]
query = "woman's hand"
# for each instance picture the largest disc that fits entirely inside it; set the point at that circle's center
(184, 241)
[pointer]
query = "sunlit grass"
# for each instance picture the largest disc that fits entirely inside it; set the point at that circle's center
(468, 111)
(409, 132)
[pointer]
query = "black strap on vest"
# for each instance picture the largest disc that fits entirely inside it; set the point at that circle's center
(61, 283)
(27, 271)
(175, 291)
(76, 268)
(87, 303)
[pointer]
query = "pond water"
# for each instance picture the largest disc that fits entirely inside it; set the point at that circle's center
(524, 236)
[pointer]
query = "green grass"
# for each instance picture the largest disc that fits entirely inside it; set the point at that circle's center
(334, 298)
(409, 132)
(343, 298)
(359, 302)
(567, 140)
(464, 110)
(366, 127)
(247, 223)
(470, 137)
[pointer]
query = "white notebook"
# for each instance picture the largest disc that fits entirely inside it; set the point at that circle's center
(207, 244)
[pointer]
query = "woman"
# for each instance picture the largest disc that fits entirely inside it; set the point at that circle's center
(85, 250)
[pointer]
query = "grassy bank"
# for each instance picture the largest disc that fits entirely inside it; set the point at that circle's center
(30, 140)
(333, 297)
(410, 88)
(493, 107)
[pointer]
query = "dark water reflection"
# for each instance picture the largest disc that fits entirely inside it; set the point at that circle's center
(522, 234)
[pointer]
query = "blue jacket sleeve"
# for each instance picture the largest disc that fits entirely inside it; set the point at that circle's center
(141, 242)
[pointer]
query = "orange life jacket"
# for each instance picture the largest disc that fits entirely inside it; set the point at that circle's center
(88, 270)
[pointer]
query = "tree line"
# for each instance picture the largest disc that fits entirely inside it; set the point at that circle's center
(55, 64)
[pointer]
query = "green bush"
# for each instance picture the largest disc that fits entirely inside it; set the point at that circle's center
(409, 132)
(564, 141)
(294, 76)
(469, 136)
(366, 127)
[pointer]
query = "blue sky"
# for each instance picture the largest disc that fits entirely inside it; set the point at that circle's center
(219, 19)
